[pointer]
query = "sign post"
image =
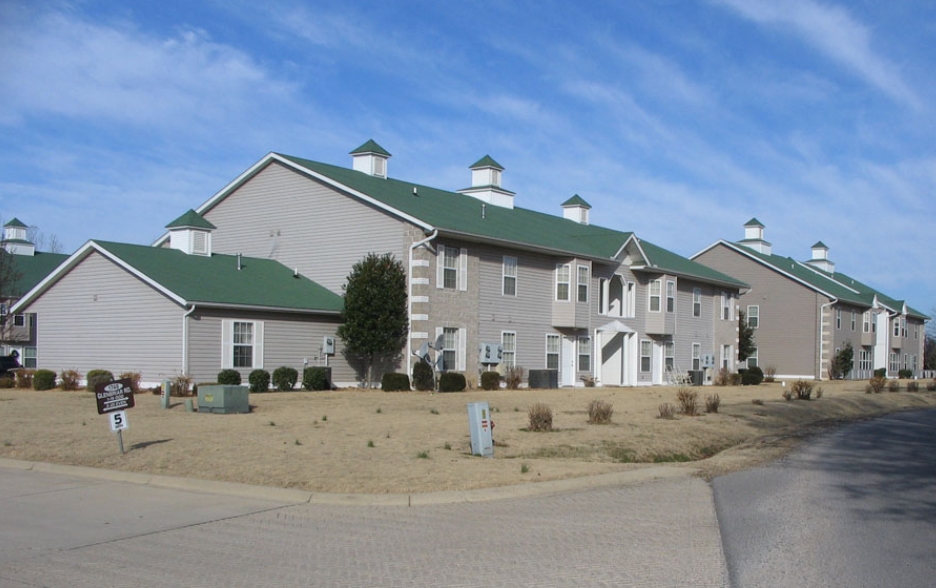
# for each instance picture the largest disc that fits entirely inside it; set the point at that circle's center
(114, 398)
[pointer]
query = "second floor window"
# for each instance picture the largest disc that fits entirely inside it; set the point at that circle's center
(655, 294)
(563, 279)
(697, 302)
(452, 268)
(510, 276)
(753, 316)
(582, 283)
(670, 296)
(866, 322)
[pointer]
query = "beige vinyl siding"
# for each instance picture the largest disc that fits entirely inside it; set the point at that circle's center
(287, 340)
(99, 316)
(691, 329)
(454, 308)
(282, 215)
(788, 334)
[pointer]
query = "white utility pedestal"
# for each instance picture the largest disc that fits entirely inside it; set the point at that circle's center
(482, 428)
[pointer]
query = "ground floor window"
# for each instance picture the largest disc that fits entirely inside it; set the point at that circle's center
(696, 356)
(669, 355)
(584, 354)
(894, 364)
(242, 344)
(864, 360)
(552, 352)
(509, 347)
(449, 349)
(646, 354)
(29, 358)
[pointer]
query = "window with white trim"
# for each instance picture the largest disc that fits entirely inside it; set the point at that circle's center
(449, 349)
(242, 344)
(670, 296)
(510, 276)
(753, 316)
(894, 366)
(19, 320)
(582, 273)
(903, 328)
(646, 354)
(697, 302)
(854, 321)
(630, 300)
(509, 347)
(552, 352)
(669, 355)
(838, 319)
(726, 313)
(450, 271)
(451, 268)
(584, 354)
(752, 359)
(896, 327)
(913, 363)
(29, 357)
(696, 356)
(864, 360)
(656, 292)
(866, 322)
(563, 281)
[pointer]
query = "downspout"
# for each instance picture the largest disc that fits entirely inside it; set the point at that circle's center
(821, 315)
(409, 298)
(185, 339)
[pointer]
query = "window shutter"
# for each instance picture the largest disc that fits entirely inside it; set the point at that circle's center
(227, 344)
(258, 345)
(462, 345)
(440, 266)
(463, 269)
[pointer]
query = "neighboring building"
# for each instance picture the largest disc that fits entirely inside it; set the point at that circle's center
(804, 313)
(555, 292)
(180, 310)
(27, 267)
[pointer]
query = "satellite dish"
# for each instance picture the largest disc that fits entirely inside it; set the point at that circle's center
(423, 352)
(440, 362)
(439, 342)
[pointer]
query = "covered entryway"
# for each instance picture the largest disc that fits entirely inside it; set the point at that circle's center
(617, 352)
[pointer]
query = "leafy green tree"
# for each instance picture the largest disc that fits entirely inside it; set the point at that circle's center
(844, 361)
(374, 320)
(746, 345)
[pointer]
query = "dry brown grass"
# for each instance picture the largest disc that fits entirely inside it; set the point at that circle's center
(371, 441)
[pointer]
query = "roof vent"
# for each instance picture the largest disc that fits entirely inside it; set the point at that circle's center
(486, 183)
(754, 237)
(371, 159)
(191, 234)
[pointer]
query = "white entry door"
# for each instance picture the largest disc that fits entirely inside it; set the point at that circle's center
(567, 362)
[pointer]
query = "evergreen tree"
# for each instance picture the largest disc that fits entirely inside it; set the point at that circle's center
(844, 361)
(746, 345)
(374, 320)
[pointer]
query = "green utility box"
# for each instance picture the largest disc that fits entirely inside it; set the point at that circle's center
(223, 399)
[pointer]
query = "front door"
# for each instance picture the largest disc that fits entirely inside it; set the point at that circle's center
(567, 362)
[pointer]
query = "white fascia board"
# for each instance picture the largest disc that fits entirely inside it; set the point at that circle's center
(518, 246)
(826, 276)
(143, 277)
(623, 246)
(249, 307)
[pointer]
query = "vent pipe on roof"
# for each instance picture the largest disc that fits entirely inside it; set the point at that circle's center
(239, 265)
(483, 210)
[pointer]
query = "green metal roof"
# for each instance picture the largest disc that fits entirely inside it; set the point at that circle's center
(191, 219)
(820, 245)
(33, 269)
(458, 214)
(371, 146)
(870, 293)
(15, 222)
(216, 280)
(576, 201)
(486, 161)
(754, 223)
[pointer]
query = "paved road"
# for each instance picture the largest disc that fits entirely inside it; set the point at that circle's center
(65, 531)
(854, 508)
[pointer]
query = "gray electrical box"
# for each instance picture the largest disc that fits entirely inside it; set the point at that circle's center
(482, 429)
(328, 345)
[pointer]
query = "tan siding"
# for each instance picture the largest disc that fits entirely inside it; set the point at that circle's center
(282, 215)
(99, 316)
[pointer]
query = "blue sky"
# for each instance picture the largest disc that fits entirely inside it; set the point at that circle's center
(678, 120)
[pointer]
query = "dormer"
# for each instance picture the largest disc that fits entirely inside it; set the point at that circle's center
(15, 240)
(754, 237)
(486, 183)
(371, 159)
(191, 234)
(576, 209)
(820, 258)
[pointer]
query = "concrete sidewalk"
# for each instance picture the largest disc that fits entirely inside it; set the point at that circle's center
(70, 527)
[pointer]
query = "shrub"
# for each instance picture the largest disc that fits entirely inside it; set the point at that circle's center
(752, 376)
(315, 378)
(712, 403)
(904, 374)
(913, 386)
(818, 392)
(723, 377)
(422, 377)
(134, 378)
(893, 386)
(395, 382)
(71, 380)
(490, 380)
(759, 402)
(98, 377)
(541, 417)
(667, 411)
(229, 377)
(735, 379)
(589, 381)
(181, 385)
(24, 378)
(43, 380)
(452, 382)
(769, 373)
(787, 393)
(877, 383)
(259, 380)
(688, 401)
(513, 377)
(284, 378)
(931, 386)
(803, 389)
(599, 412)
(7, 382)
(880, 373)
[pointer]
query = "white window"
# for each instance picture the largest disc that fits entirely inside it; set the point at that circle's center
(630, 300)
(726, 313)
(646, 354)
(510, 276)
(913, 363)
(452, 268)
(864, 360)
(727, 357)
(669, 355)
(449, 349)
(753, 316)
(670, 296)
(563, 279)
(838, 318)
(894, 362)
(866, 322)
(697, 302)
(582, 283)
(752, 359)
(696, 356)
(509, 346)
(584, 354)
(552, 352)
(29, 357)
(242, 344)
(656, 287)
(896, 327)
(19, 320)
(903, 328)
(854, 321)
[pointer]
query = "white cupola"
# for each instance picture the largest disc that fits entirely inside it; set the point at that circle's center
(15, 239)
(191, 234)
(486, 183)
(576, 209)
(820, 258)
(754, 237)
(371, 159)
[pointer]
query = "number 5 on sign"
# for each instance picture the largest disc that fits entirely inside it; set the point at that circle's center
(118, 420)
